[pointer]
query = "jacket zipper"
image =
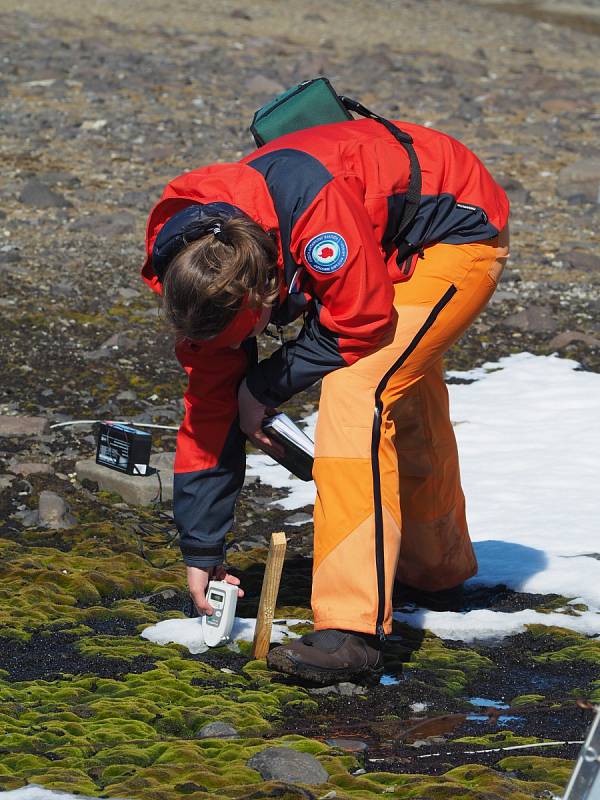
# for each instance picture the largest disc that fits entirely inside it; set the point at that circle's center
(375, 440)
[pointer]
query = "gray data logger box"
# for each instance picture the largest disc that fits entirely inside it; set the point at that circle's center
(124, 448)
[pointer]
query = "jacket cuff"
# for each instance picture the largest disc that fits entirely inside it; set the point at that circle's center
(202, 562)
(196, 554)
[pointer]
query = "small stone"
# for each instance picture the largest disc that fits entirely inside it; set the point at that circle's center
(118, 342)
(580, 181)
(94, 124)
(38, 195)
(586, 262)
(298, 519)
(128, 394)
(517, 193)
(349, 745)
(260, 84)
(127, 294)
(322, 690)
(218, 730)
(5, 481)
(534, 319)
(22, 426)
(568, 337)
(116, 224)
(165, 594)
(11, 256)
(347, 689)
(32, 468)
(285, 764)
(53, 512)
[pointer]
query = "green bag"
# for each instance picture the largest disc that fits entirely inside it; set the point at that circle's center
(315, 102)
(311, 103)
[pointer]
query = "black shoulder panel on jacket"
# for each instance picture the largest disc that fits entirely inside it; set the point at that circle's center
(294, 180)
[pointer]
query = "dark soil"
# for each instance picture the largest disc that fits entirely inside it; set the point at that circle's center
(50, 656)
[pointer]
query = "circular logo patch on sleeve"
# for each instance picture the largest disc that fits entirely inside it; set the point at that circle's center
(326, 252)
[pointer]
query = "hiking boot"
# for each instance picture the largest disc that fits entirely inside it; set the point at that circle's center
(329, 656)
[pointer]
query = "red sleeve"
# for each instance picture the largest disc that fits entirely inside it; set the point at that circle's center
(210, 457)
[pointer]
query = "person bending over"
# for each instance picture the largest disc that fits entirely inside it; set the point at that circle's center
(308, 225)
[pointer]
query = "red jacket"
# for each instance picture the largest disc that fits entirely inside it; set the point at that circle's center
(335, 196)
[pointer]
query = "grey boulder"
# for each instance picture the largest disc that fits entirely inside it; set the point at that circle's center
(218, 730)
(285, 764)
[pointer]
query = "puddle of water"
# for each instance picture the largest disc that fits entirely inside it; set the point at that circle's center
(389, 680)
(501, 721)
(483, 702)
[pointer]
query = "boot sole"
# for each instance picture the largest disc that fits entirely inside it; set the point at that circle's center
(324, 677)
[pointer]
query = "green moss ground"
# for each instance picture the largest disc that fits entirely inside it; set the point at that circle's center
(134, 732)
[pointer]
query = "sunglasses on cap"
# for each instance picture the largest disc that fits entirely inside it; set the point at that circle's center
(188, 225)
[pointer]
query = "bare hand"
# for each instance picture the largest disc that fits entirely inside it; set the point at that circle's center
(198, 579)
(252, 414)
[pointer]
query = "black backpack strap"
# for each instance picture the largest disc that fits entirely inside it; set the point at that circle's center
(413, 194)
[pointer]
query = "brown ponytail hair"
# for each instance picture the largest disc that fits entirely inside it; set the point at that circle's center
(207, 283)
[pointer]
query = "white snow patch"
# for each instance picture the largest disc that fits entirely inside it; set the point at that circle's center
(528, 432)
(188, 632)
(34, 792)
(469, 626)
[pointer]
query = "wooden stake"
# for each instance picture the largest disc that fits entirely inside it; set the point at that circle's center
(268, 595)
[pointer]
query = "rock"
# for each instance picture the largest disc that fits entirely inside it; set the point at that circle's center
(240, 13)
(22, 426)
(53, 512)
(347, 689)
(260, 84)
(5, 481)
(580, 181)
(137, 490)
(128, 394)
(298, 519)
(94, 124)
(218, 730)
(164, 594)
(586, 262)
(118, 342)
(285, 764)
(9, 255)
(32, 468)
(515, 190)
(37, 194)
(323, 690)
(127, 294)
(349, 745)
(561, 105)
(567, 337)
(116, 224)
(534, 319)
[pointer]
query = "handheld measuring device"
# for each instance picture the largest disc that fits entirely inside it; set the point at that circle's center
(222, 596)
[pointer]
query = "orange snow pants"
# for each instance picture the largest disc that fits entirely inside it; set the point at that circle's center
(389, 499)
